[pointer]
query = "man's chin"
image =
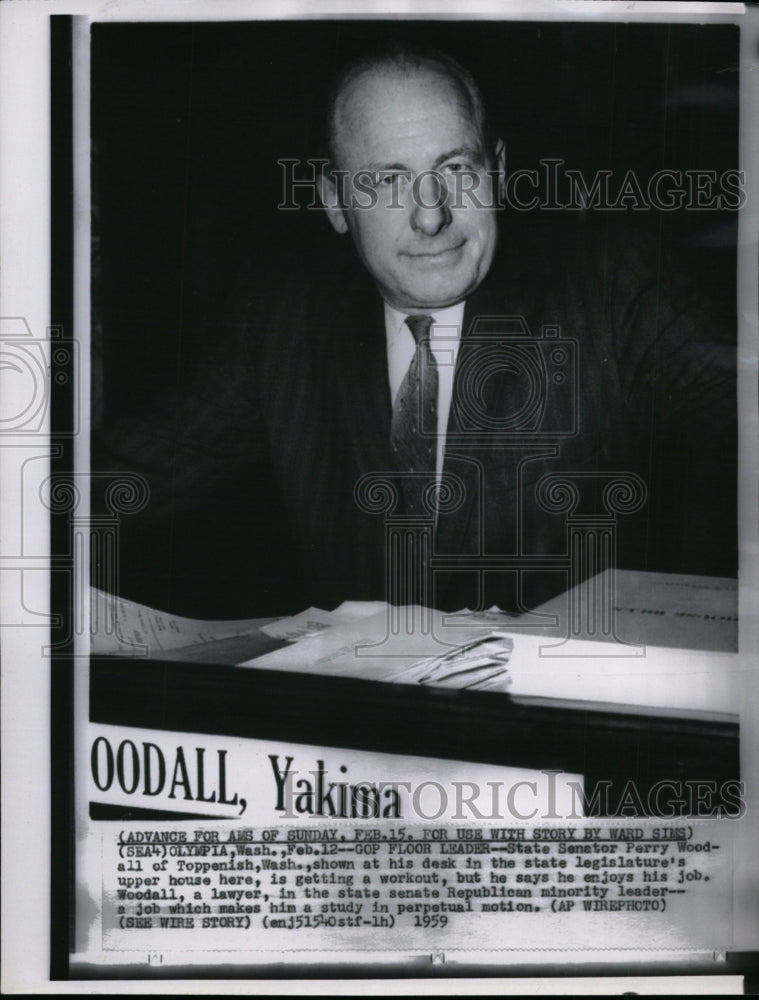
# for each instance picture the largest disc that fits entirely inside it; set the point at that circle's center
(437, 297)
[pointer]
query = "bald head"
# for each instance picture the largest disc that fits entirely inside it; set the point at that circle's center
(412, 178)
(387, 72)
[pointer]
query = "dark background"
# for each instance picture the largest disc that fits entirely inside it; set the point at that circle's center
(189, 120)
(188, 123)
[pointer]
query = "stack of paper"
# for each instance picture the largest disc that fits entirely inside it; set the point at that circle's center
(666, 646)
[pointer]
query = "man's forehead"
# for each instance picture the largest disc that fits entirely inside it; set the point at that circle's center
(387, 111)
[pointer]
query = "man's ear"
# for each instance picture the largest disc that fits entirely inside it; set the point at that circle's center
(330, 198)
(500, 166)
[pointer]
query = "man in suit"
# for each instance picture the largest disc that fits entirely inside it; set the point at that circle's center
(570, 355)
(420, 425)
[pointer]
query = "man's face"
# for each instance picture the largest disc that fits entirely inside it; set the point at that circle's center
(408, 142)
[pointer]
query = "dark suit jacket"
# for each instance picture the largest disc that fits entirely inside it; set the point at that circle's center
(584, 355)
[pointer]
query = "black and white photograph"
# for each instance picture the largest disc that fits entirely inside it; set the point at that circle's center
(383, 450)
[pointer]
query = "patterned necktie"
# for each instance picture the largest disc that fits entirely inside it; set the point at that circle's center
(413, 432)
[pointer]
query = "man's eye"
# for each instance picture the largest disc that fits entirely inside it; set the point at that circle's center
(389, 180)
(457, 167)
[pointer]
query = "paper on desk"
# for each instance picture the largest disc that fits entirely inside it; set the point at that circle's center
(456, 654)
(314, 620)
(691, 613)
(492, 616)
(227, 651)
(476, 664)
(298, 627)
(353, 611)
(672, 610)
(545, 666)
(123, 627)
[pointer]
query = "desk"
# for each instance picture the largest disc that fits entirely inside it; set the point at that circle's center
(602, 744)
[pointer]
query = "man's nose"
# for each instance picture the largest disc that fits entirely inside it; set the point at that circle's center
(429, 210)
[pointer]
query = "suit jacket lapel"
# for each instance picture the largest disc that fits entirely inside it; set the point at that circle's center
(467, 453)
(363, 388)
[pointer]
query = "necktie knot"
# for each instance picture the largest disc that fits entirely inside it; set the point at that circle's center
(420, 327)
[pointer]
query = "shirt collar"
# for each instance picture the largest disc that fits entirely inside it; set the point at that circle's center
(450, 317)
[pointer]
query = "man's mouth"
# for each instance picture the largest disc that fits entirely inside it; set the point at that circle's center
(436, 255)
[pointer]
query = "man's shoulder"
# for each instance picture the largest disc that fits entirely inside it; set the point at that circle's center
(595, 243)
(559, 243)
(594, 270)
(555, 271)
(279, 292)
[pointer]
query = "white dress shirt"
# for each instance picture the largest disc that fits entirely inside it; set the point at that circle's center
(445, 337)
